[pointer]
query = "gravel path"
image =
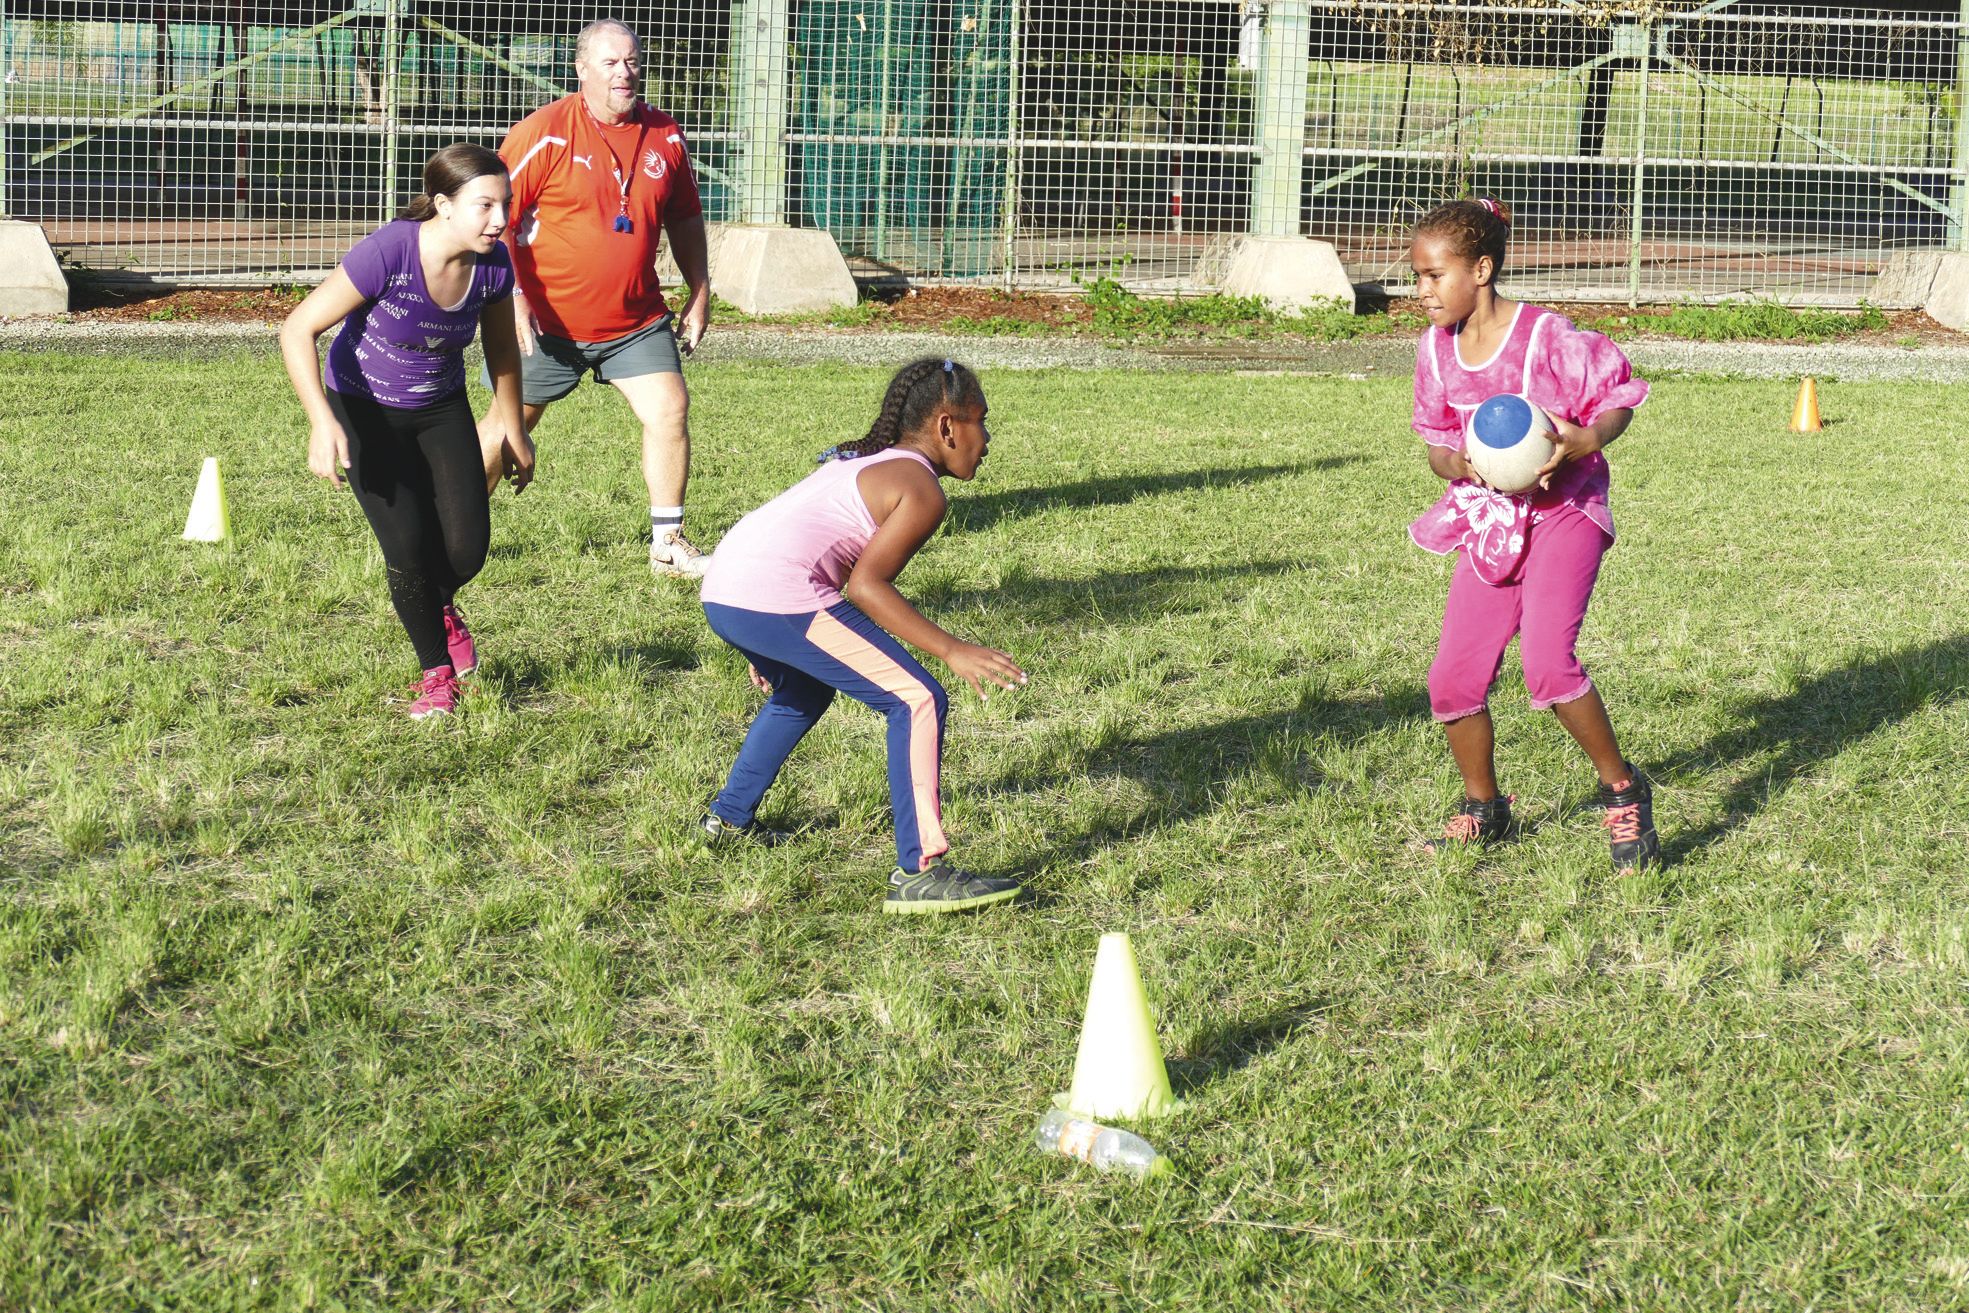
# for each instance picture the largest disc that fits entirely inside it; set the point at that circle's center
(800, 346)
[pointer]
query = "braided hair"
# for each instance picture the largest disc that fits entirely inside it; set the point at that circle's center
(919, 389)
(1473, 227)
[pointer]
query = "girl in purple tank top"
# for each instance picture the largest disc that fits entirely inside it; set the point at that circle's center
(395, 416)
(1526, 564)
(804, 588)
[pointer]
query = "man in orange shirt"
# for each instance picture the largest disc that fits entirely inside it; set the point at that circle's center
(597, 178)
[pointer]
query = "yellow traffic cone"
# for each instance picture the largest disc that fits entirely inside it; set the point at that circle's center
(208, 522)
(1805, 415)
(1119, 1072)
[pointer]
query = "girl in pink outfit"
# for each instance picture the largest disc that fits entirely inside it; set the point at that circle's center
(805, 588)
(1526, 563)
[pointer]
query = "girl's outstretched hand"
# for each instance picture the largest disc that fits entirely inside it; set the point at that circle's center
(978, 665)
(759, 681)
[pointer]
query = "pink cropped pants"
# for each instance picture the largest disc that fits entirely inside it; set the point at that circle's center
(1543, 605)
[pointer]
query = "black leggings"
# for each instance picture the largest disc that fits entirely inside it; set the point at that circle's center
(420, 480)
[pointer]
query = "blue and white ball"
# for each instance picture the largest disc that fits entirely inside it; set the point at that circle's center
(1508, 442)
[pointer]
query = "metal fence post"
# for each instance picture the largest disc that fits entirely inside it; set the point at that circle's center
(1012, 126)
(6, 71)
(1283, 62)
(886, 99)
(1961, 181)
(1647, 32)
(763, 78)
(392, 108)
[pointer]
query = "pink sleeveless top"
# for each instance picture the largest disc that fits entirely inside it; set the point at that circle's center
(1575, 375)
(793, 554)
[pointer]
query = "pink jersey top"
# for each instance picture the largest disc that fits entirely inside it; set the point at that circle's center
(1576, 376)
(793, 554)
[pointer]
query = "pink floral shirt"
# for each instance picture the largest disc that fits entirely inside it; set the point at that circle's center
(1574, 375)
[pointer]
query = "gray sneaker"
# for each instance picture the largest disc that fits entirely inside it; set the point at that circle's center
(671, 555)
(717, 832)
(944, 888)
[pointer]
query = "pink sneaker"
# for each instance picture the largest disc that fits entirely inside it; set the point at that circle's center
(437, 695)
(458, 640)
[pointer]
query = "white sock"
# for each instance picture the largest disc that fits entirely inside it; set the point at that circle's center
(662, 519)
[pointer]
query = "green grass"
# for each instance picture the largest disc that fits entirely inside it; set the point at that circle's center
(303, 1006)
(1752, 321)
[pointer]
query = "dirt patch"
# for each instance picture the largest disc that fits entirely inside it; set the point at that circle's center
(117, 304)
(921, 309)
(935, 307)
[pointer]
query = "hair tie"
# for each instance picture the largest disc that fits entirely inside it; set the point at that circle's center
(950, 366)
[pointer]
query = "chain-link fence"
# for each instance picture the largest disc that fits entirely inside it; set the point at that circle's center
(1651, 153)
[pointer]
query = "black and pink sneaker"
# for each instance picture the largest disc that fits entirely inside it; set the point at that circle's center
(1628, 812)
(1476, 822)
(458, 641)
(437, 694)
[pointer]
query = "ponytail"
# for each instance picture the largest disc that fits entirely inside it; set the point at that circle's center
(917, 392)
(447, 172)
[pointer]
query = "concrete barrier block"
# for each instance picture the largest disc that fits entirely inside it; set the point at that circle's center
(31, 281)
(1948, 298)
(1905, 279)
(1293, 273)
(766, 270)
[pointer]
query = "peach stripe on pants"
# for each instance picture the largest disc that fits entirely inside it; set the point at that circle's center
(874, 665)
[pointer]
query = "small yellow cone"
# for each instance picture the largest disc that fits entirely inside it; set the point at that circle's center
(1805, 415)
(208, 522)
(1119, 1072)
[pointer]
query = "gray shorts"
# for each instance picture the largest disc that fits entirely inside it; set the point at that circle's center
(556, 365)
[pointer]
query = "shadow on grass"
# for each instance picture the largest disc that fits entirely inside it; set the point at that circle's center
(628, 541)
(1785, 737)
(1233, 1045)
(1190, 772)
(968, 514)
(519, 677)
(654, 656)
(1165, 590)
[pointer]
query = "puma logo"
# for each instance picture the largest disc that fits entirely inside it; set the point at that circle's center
(583, 161)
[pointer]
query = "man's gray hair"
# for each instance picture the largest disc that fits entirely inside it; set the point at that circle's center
(595, 29)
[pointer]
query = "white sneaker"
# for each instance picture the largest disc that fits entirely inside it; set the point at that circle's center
(674, 556)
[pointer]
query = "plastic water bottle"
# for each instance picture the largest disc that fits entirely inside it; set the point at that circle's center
(1105, 1147)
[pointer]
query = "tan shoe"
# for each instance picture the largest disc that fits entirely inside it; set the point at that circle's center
(671, 555)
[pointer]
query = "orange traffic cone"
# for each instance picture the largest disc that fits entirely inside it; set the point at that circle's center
(1805, 415)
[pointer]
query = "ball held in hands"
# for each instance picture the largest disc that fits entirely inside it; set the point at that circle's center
(1508, 441)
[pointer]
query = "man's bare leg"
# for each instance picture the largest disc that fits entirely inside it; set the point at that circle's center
(662, 406)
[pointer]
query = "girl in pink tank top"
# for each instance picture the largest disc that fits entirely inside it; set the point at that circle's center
(1526, 564)
(804, 588)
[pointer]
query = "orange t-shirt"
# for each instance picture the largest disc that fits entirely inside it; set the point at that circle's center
(583, 279)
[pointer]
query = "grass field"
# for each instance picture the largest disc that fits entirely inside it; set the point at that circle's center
(304, 1006)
